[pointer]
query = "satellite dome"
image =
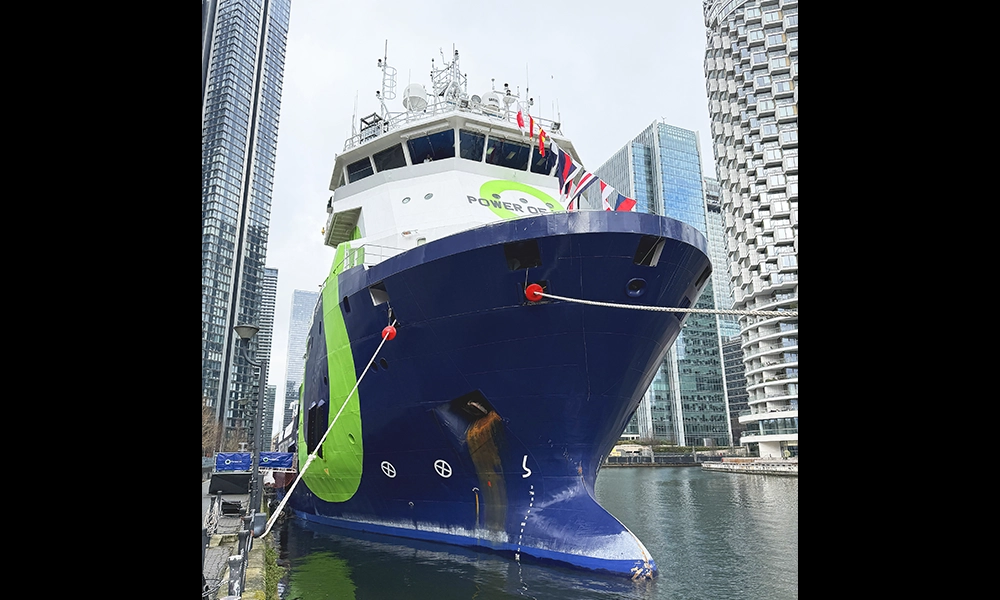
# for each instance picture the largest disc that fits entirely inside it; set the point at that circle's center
(414, 97)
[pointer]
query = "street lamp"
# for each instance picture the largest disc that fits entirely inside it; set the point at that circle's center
(246, 332)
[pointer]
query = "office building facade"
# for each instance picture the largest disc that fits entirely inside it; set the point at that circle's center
(751, 68)
(243, 45)
(303, 304)
(661, 169)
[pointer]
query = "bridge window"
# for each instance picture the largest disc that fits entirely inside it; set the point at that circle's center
(435, 146)
(542, 164)
(508, 154)
(359, 170)
(390, 158)
(471, 145)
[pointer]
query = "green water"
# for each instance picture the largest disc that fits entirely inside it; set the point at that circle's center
(713, 535)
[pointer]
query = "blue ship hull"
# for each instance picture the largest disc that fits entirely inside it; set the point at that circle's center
(485, 421)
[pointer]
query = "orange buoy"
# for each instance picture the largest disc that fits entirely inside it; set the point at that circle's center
(533, 292)
(389, 332)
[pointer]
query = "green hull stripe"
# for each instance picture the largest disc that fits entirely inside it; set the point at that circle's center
(336, 475)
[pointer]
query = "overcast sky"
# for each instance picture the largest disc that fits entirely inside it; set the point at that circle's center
(609, 68)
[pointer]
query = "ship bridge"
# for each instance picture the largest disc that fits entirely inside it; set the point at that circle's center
(449, 162)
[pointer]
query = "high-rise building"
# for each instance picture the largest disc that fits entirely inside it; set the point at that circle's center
(268, 412)
(243, 46)
(268, 298)
(303, 304)
(752, 71)
(721, 283)
(736, 385)
(269, 294)
(661, 169)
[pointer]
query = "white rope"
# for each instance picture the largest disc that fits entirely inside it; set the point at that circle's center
(707, 311)
(302, 471)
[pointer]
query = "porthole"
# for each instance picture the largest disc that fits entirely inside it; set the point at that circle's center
(350, 438)
(383, 363)
(405, 200)
(428, 196)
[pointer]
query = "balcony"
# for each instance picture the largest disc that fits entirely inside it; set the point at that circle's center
(779, 65)
(784, 88)
(791, 140)
(787, 113)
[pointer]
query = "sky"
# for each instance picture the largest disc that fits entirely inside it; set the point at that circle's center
(605, 70)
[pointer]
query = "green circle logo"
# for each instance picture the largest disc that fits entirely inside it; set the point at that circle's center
(498, 186)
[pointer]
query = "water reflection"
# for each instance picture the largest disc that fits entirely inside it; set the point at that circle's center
(713, 535)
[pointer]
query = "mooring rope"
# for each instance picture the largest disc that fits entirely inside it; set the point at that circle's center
(387, 334)
(534, 293)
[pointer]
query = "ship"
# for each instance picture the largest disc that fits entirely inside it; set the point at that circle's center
(446, 395)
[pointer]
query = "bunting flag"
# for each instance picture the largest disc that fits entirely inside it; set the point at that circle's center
(565, 169)
(624, 203)
(520, 121)
(541, 141)
(586, 180)
(606, 191)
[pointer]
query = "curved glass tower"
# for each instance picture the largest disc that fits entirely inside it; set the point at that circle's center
(752, 74)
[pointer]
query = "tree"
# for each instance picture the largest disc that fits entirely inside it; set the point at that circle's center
(209, 430)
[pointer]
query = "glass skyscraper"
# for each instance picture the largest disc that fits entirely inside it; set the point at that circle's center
(243, 47)
(752, 78)
(303, 304)
(685, 404)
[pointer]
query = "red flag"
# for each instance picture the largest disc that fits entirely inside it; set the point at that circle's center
(541, 141)
(520, 121)
(531, 128)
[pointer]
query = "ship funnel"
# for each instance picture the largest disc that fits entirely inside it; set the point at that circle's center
(414, 97)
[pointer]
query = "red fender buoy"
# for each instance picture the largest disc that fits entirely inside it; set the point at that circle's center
(389, 332)
(533, 292)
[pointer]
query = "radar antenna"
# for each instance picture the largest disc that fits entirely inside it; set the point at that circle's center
(448, 82)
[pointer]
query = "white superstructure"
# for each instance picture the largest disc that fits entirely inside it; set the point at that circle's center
(448, 162)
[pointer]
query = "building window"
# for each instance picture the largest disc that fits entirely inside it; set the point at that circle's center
(787, 111)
